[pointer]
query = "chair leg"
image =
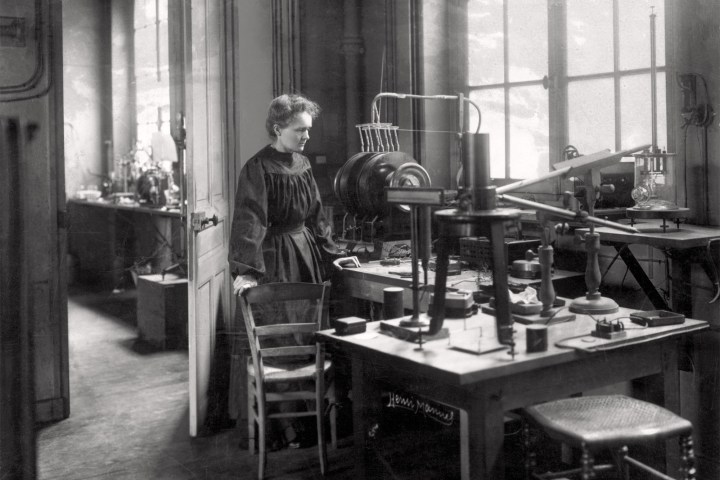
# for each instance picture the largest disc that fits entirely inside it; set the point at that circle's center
(262, 440)
(529, 447)
(320, 421)
(622, 464)
(251, 416)
(687, 458)
(586, 464)
(333, 417)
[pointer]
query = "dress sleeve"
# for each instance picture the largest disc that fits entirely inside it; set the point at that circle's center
(320, 225)
(250, 222)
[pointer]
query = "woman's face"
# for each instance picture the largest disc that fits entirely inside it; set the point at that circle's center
(293, 137)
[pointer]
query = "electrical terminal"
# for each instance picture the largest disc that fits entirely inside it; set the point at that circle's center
(609, 329)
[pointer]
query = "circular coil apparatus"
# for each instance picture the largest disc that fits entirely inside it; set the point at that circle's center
(360, 183)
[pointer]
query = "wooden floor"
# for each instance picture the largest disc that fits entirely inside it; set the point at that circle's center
(129, 411)
(129, 418)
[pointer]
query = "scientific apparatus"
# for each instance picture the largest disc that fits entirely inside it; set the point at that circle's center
(586, 167)
(476, 215)
(419, 200)
(655, 193)
(360, 182)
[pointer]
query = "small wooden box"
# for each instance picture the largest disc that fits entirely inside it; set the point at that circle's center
(162, 310)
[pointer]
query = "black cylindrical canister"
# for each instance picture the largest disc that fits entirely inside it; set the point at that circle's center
(537, 338)
(393, 302)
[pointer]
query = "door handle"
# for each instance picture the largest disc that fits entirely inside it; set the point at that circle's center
(200, 222)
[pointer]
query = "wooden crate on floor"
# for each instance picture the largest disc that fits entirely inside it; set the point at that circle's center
(162, 310)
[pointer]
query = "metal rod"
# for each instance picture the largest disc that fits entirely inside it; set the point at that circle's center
(414, 240)
(532, 181)
(653, 80)
(375, 112)
(438, 311)
(569, 214)
(425, 228)
(503, 315)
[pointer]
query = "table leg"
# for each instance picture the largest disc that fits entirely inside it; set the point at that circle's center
(681, 288)
(671, 394)
(640, 276)
(366, 408)
(482, 432)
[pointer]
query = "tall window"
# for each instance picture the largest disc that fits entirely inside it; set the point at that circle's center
(547, 73)
(152, 85)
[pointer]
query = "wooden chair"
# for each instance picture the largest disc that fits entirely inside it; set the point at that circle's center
(271, 345)
(608, 422)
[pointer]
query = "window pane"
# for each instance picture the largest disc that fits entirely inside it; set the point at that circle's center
(492, 106)
(529, 145)
(144, 134)
(164, 40)
(144, 13)
(591, 115)
(145, 49)
(485, 42)
(152, 86)
(589, 36)
(163, 10)
(635, 33)
(527, 39)
(636, 111)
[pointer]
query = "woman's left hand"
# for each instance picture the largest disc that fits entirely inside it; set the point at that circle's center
(242, 283)
(346, 262)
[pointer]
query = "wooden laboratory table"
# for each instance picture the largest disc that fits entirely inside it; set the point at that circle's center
(108, 239)
(368, 281)
(685, 245)
(483, 387)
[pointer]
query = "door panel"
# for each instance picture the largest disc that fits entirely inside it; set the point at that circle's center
(207, 193)
(210, 240)
(220, 99)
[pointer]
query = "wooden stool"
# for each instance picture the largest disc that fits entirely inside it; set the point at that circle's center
(608, 422)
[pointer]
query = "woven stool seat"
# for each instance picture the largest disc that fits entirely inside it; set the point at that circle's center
(607, 420)
(610, 422)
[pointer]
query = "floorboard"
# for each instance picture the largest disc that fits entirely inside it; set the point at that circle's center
(129, 411)
(129, 418)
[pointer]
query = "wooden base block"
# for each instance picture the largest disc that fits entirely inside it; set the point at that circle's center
(411, 334)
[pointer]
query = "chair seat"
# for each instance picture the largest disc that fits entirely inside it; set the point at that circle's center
(607, 421)
(275, 373)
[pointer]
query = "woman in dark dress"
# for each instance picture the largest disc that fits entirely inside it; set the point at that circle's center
(279, 230)
(278, 225)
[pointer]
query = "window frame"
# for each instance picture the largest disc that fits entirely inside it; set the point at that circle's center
(557, 80)
(163, 121)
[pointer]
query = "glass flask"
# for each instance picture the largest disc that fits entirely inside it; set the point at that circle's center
(654, 180)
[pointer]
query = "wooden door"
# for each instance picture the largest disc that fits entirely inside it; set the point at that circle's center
(31, 95)
(207, 195)
(220, 103)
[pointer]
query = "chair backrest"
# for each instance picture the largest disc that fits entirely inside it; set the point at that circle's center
(281, 319)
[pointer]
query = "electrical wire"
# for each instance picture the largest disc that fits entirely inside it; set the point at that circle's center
(554, 314)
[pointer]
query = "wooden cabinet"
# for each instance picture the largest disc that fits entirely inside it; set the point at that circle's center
(162, 310)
